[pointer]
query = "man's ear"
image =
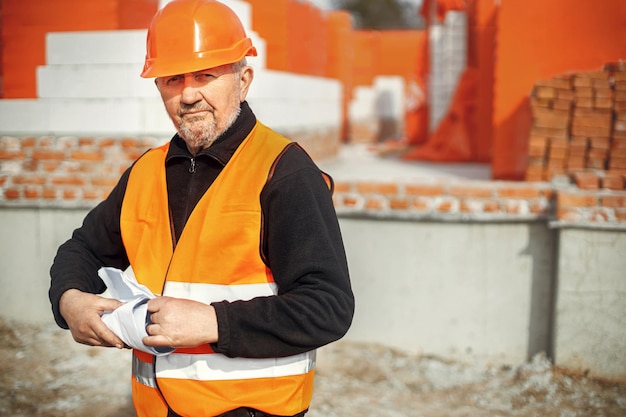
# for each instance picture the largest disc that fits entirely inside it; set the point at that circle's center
(245, 79)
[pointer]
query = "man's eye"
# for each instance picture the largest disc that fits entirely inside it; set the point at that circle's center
(174, 80)
(204, 76)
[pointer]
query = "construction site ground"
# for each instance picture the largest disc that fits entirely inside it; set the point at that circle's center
(44, 373)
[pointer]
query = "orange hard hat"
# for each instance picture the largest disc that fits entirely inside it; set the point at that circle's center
(193, 35)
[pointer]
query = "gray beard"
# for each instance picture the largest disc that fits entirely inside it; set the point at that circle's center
(205, 136)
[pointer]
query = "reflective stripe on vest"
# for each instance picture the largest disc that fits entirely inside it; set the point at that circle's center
(216, 258)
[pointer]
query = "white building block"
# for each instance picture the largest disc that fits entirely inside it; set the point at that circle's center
(94, 81)
(389, 97)
(97, 47)
(24, 116)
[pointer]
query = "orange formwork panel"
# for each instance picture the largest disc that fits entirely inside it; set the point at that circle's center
(307, 41)
(482, 24)
(270, 21)
(136, 14)
(364, 64)
(24, 26)
(340, 55)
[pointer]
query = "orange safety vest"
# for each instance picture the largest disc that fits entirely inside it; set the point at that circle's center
(216, 258)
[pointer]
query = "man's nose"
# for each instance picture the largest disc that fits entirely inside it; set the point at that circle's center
(191, 92)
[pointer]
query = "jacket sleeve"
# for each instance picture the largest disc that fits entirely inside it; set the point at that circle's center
(304, 250)
(98, 242)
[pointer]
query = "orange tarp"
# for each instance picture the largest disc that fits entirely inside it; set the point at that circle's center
(451, 140)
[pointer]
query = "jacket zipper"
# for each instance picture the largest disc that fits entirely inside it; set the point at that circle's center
(192, 168)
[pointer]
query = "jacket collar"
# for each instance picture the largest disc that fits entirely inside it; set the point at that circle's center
(225, 146)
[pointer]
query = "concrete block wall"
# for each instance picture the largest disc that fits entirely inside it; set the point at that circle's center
(377, 113)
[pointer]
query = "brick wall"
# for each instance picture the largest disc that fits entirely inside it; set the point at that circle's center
(72, 171)
(67, 171)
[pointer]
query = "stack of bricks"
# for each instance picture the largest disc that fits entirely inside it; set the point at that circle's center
(579, 128)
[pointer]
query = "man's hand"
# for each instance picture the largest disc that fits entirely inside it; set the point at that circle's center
(82, 311)
(176, 322)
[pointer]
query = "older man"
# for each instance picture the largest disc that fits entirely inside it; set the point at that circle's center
(231, 224)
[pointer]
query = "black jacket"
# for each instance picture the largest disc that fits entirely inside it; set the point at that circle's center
(302, 245)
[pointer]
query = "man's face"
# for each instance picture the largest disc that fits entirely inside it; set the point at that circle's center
(203, 104)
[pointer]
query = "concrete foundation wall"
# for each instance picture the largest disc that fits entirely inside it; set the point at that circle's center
(467, 290)
(453, 289)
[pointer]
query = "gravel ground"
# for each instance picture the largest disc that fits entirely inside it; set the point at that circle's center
(44, 373)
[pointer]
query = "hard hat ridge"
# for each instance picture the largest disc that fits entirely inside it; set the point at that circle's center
(192, 35)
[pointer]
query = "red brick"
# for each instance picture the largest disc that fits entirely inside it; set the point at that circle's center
(87, 156)
(445, 206)
(28, 142)
(11, 155)
(613, 200)
(620, 125)
(558, 119)
(576, 199)
(421, 205)
(12, 193)
(425, 190)
(617, 163)
(86, 141)
(48, 155)
(620, 214)
(578, 130)
(377, 188)
(70, 194)
(544, 92)
(522, 191)
(350, 201)
(562, 104)
(612, 181)
(46, 141)
(374, 204)
(50, 166)
(603, 103)
(584, 102)
(556, 83)
(491, 206)
(576, 161)
(598, 215)
(49, 193)
(107, 142)
(91, 194)
(565, 95)
(29, 180)
(568, 214)
(538, 207)
(399, 204)
(514, 206)
(342, 187)
(555, 163)
(596, 163)
(602, 87)
(74, 180)
(534, 174)
(549, 132)
(471, 206)
(587, 180)
(582, 81)
(31, 193)
(471, 191)
(553, 171)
